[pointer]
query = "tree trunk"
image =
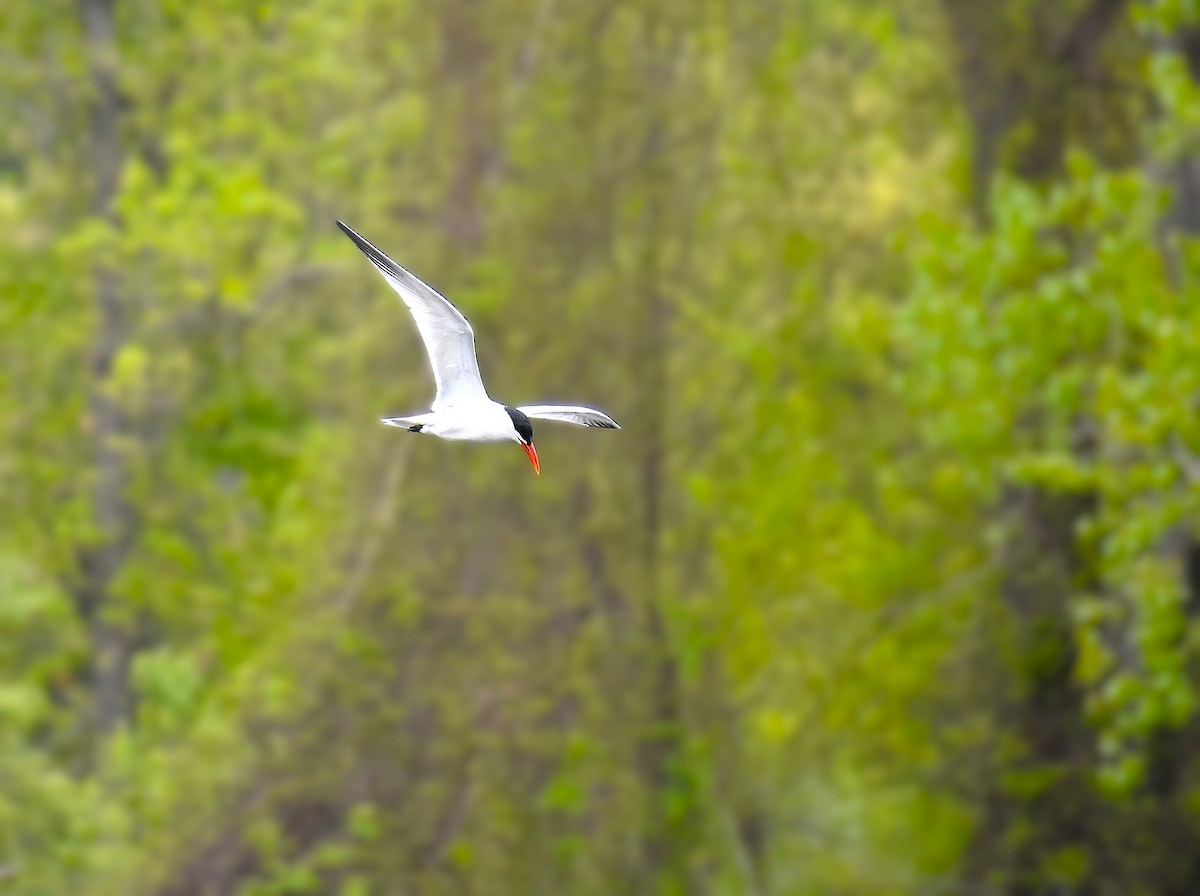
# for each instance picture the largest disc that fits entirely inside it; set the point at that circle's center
(103, 556)
(1028, 77)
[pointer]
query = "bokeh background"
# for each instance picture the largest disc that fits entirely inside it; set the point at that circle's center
(889, 585)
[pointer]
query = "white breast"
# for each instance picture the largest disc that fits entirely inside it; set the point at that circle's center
(475, 422)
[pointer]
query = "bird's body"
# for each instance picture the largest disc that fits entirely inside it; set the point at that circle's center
(462, 411)
(481, 421)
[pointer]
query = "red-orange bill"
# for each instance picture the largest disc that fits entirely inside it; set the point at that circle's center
(531, 452)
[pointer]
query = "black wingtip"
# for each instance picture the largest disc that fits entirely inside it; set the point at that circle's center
(362, 244)
(376, 257)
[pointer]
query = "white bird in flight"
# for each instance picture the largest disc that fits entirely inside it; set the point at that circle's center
(462, 410)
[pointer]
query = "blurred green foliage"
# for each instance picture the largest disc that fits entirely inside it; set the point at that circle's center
(889, 585)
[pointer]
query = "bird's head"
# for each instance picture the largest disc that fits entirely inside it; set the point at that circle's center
(523, 433)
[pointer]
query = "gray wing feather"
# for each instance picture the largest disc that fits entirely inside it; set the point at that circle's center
(570, 414)
(449, 339)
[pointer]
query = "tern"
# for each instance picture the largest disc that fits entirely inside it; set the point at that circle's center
(462, 410)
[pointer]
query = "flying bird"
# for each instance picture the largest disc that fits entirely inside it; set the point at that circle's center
(462, 410)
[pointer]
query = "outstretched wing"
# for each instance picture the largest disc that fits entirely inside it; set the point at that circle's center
(570, 414)
(449, 339)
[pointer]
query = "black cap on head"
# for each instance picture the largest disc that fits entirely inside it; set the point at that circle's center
(521, 424)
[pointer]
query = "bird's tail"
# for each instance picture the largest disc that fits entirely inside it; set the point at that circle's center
(414, 423)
